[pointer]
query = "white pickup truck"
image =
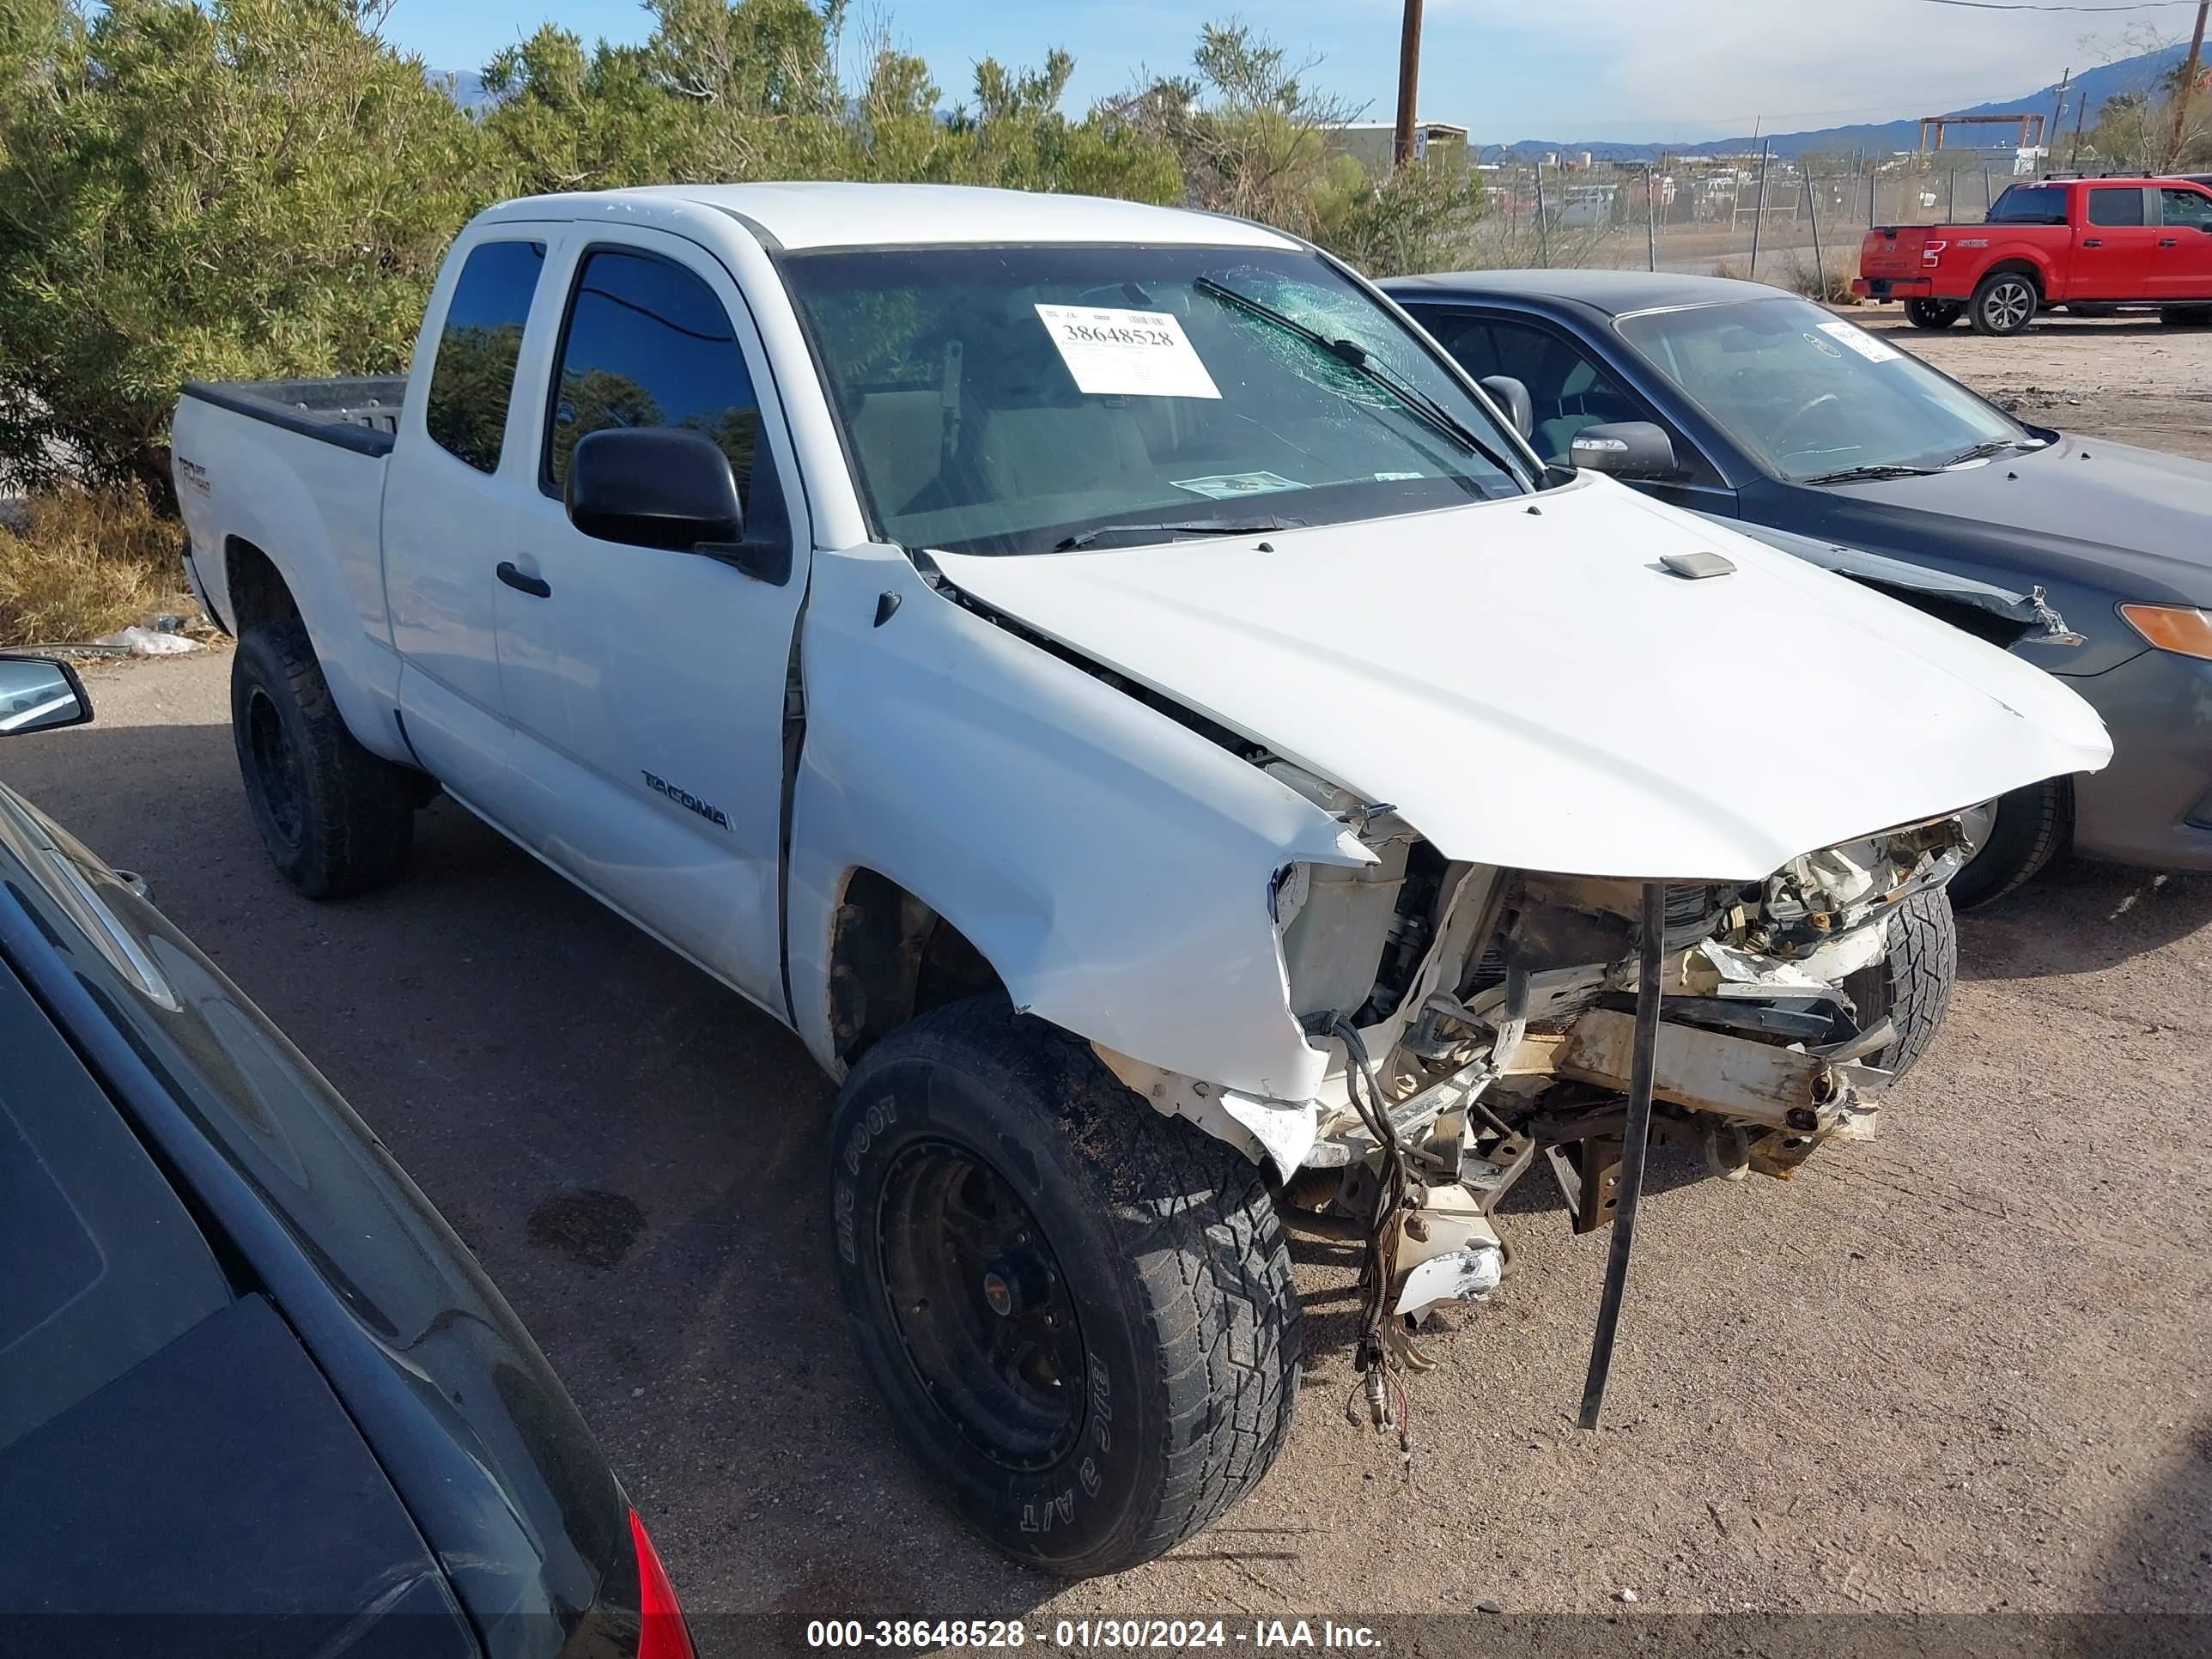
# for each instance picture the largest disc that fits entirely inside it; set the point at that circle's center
(1103, 678)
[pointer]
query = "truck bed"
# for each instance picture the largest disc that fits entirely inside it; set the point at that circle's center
(357, 412)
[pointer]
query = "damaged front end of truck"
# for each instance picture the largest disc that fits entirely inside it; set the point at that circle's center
(1480, 1019)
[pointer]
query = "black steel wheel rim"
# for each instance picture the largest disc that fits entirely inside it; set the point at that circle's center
(979, 1306)
(276, 766)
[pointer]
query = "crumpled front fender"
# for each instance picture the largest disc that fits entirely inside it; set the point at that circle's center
(1112, 864)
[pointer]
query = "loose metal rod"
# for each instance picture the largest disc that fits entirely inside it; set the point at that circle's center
(1636, 1139)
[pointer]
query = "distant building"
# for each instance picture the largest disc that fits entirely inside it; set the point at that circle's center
(1369, 143)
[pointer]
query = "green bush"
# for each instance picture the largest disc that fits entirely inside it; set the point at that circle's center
(253, 188)
(257, 189)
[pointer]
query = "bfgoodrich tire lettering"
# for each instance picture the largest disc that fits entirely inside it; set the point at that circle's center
(336, 819)
(1161, 1241)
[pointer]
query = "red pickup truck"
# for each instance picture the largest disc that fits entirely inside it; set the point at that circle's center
(2076, 242)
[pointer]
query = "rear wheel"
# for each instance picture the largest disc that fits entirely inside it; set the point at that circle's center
(2185, 316)
(336, 819)
(1912, 984)
(2012, 837)
(2004, 303)
(1080, 1310)
(1933, 314)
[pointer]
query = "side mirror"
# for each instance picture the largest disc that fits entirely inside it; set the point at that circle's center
(1627, 449)
(653, 487)
(38, 693)
(1509, 395)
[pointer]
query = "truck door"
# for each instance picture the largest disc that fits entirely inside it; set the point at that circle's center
(2114, 245)
(448, 493)
(645, 687)
(2184, 270)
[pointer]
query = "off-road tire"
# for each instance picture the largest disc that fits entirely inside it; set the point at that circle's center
(1913, 982)
(2034, 823)
(2004, 303)
(2185, 316)
(1164, 1241)
(1933, 314)
(336, 819)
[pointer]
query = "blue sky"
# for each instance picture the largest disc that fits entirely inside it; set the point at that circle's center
(1649, 70)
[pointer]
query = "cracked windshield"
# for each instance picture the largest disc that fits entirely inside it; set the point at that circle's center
(1024, 400)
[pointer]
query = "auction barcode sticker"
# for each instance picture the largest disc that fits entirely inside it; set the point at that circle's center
(1140, 354)
(1874, 350)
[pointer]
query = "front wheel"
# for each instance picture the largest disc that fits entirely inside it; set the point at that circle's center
(2004, 303)
(1079, 1311)
(1933, 314)
(1913, 983)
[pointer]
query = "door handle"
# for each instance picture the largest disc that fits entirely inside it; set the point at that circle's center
(521, 583)
(2093, 242)
(2169, 241)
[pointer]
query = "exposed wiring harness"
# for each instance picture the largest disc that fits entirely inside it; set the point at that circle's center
(1388, 1406)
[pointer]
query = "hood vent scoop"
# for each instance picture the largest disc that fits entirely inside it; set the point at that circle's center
(1694, 566)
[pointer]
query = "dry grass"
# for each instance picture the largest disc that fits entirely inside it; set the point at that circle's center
(78, 563)
(1831, 286)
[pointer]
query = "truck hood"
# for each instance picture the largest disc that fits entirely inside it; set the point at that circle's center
(1529, 685)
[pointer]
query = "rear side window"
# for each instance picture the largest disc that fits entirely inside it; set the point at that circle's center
(2030, 205)
(2117, 204)
(648, 345)
(2192, 208)
(473, 379)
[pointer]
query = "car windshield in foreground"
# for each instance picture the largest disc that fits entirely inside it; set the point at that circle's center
(1816, 399)
(1030, 399)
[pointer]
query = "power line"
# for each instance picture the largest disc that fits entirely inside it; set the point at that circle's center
(2010, 5)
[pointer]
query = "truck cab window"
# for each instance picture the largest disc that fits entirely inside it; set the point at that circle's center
(648, 343)
(2116, 205)
(473, 378)
(2030, 205)
(2189, 208)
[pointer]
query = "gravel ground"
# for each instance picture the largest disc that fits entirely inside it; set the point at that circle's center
(1958, 1370)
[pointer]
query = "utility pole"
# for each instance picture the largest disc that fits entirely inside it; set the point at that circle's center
(1651, 214)
(2058, 113)
(1758, 214)
(2074, 155)
(2188, 83)
(1409, 82)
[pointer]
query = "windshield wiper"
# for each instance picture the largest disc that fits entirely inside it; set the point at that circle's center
(1182, 527)
(1880, 469)
(1363, 363)
(1981, 451)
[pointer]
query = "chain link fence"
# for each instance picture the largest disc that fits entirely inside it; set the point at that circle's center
(1796, 223)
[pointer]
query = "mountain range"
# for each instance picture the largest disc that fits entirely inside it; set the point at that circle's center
(2084, 98)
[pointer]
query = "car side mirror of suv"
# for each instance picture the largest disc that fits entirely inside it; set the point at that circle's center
(38, 693)
(1627, 449)
(653, 487)
(1512, 395)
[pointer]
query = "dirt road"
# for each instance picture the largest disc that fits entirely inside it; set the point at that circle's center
(1962, 1368)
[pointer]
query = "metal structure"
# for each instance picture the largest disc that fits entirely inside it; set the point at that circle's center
(2030, 123)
